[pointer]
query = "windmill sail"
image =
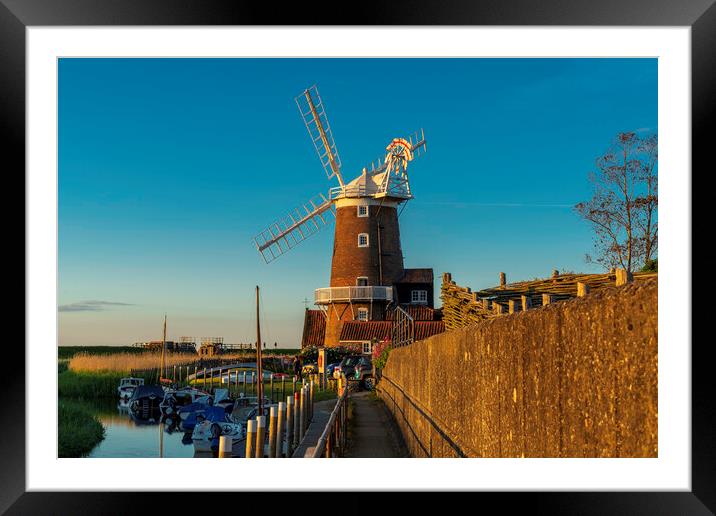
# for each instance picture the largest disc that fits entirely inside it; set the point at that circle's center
(289, 231)
(314, 116)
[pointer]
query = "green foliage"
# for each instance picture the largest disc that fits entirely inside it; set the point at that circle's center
(333, 354)
(78, 429)
(651, 265)
(72, 384)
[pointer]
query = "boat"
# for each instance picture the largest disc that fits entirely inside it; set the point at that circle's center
(127, 387)
(210, 427)
(216, 404)
(205, 436)
(177, 398)
(145, 401)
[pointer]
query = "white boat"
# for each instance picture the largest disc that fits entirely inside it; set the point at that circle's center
(206, 431)
(127, 386)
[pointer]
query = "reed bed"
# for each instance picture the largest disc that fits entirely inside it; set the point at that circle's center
(126, 362)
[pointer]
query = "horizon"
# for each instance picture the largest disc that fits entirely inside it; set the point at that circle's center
(168, 168)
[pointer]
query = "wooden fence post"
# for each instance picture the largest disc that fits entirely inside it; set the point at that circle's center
(273, 423)
(250, 438)
(260, 436)
(302, 415)
(226, 447)
(526, 303)
(279, 428)
(623, 277)
(582, 289)
(289, 425)
(296, 420)
(511, 306)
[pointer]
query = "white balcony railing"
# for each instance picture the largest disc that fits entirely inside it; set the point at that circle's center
(352, 294)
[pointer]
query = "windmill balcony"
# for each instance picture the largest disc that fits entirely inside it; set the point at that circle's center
(328, 295)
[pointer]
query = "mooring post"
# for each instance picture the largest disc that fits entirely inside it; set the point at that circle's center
(203, 383)
(279, 428)
(313, 386)
(294, 384)
(296, 420)
(250, 438)
(289, 425)
(260, 436)
(582, 289)
(273, 422)
(301, 414)
(272, 398)
(243, 386)
(283, 387)
(226, 445)
(253, 383)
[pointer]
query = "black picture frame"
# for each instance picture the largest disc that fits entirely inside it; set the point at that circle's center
(700, 15)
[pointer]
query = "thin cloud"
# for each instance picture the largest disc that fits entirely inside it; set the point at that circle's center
(90, 306)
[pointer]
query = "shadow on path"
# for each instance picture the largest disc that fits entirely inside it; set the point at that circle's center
(372, 432)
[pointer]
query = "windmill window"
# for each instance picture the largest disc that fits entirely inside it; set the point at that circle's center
(362, 211)
(419, 297)
(362, 314)
(362, 281)
(363, 240)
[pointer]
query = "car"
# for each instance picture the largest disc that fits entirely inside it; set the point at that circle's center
(330, 368)
(346, 366)
(309, 369)
(364, 373)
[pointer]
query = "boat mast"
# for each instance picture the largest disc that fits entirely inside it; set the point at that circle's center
(164, 345)
(259, 368)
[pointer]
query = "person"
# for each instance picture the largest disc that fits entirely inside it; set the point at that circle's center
(297, 368)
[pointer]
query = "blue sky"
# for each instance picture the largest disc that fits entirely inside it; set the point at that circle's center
(169, 167)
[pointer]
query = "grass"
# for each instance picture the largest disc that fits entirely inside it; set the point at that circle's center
(86, 385)
(70, 351)
(78, 431)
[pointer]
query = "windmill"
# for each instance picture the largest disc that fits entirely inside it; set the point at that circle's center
(367, 257)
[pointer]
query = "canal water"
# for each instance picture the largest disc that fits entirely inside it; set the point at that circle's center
(128, 437)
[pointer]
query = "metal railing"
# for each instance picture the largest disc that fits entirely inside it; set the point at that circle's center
(332, 442)
(403, 328)
(348, 294)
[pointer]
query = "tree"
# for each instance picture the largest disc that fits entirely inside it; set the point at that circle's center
(623, 207)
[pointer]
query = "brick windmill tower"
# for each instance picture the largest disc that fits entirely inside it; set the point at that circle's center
(367, 257)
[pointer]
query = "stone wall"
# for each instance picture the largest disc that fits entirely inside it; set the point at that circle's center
(577, 378)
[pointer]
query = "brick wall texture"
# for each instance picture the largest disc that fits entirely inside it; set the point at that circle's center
(577, 378)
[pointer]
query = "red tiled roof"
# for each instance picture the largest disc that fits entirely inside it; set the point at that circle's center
(425, 329)
(381, 330)
(366, 330)
(417, 276)
(419, 313)
(314, 328)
